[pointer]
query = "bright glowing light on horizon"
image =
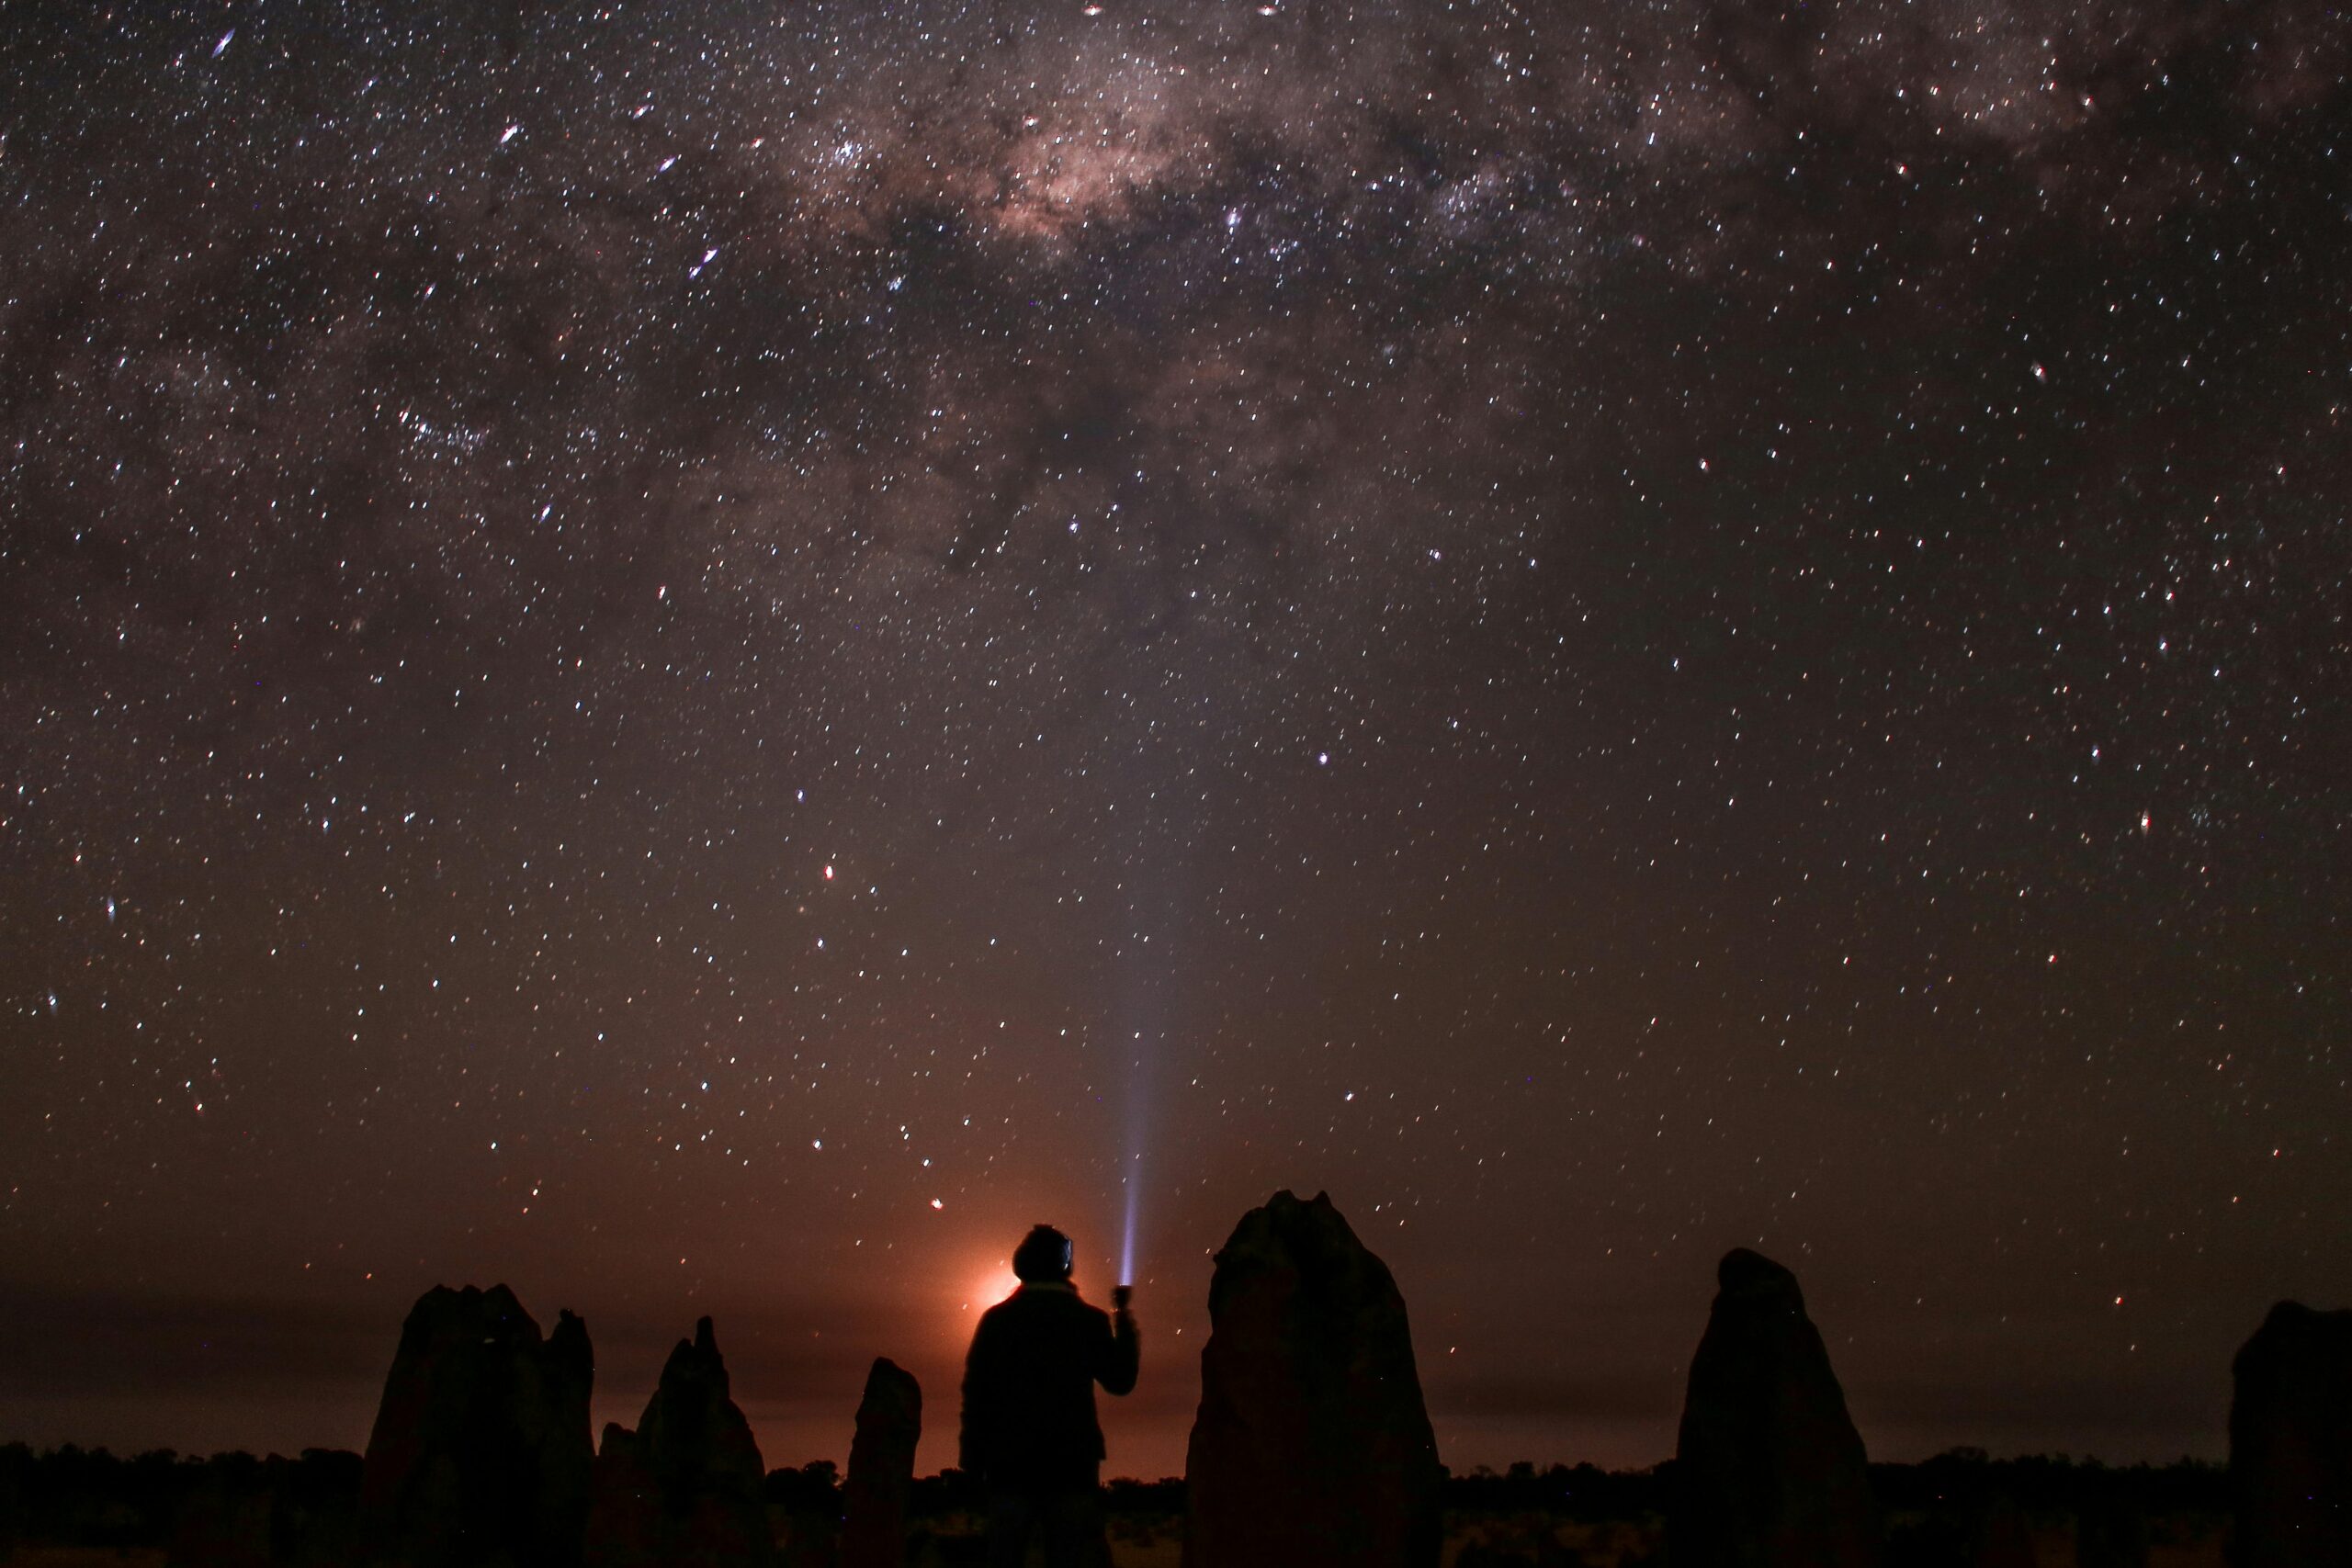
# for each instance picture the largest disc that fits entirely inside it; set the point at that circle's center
(998, 1283)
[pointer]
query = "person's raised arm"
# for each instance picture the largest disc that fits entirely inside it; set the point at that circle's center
(1120, 1354)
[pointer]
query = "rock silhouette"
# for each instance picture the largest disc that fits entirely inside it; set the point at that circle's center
(1769, 1469)
(882, 1468)
(685, 1489)
(2290, 1441)
(479, 1452)
(1312, 1444)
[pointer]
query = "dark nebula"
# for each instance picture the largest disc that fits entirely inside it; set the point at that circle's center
(703, 655)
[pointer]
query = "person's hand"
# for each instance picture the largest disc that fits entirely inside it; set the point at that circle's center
(1121, 1295)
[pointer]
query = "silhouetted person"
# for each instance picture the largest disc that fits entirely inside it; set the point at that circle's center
(1030, 1436)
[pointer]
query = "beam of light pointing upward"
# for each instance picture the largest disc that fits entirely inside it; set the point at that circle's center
(1157, 861)
(1131, 1172)
(1134, 1179)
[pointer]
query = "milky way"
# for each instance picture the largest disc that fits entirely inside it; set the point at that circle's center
(685, 653)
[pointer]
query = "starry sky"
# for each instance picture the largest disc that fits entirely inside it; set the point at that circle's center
(702, 655)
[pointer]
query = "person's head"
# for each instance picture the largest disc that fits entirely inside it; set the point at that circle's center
(1043, 1257)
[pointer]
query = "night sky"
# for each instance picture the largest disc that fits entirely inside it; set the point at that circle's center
(703, 655)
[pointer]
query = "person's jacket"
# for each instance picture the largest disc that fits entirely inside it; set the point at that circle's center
(1029, 1388)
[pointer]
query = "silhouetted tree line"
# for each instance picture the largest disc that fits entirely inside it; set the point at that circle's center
(90, 1497)
(2038, 1483)
(303, 1508)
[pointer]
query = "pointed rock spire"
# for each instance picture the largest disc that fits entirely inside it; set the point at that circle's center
(2290, 1441)
(1312, 1444)
(882, 1468)
(685, 1489)
(1769, 1471)
(479, 1452)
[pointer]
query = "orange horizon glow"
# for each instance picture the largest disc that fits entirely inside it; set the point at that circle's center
(988, 1287)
